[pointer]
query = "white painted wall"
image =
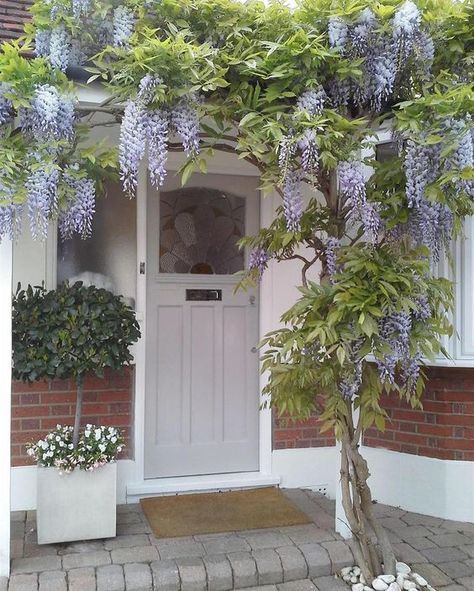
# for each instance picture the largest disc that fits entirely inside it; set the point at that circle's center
(5, 402)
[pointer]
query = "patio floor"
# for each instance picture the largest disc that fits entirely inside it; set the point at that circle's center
(296, 558)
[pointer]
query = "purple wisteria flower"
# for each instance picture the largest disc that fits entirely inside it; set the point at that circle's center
(11, 214)
(81, 8)
(146, 88)
(330, 249)
(352, 183)
(42, 42)
(286, 151)
(423, 311)
(463, 156)
(157, 128)
(132, 144)
(42, 199)
(185, 123)
(124, 25)
(312, 101)
(80, 212)
(309, 151)
(406, 22)
(59, 48)
(338, 31)
(362, 31)
(421, 164)
(50, 114)
(6, 107)
(292, 200)
(258, 259)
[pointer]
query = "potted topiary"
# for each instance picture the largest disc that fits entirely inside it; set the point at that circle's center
(70, 332)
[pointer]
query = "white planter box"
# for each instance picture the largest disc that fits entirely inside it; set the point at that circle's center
(76, 506)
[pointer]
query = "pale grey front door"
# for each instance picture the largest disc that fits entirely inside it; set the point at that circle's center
(202, 398)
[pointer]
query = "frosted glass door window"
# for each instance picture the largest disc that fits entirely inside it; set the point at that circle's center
(199, 231)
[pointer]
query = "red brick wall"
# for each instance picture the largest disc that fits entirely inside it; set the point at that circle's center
(39, 407)
(443, 429)
(293, 434)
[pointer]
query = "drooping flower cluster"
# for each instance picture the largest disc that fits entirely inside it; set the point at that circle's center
(387, 54)
(6, 107)
(258, 259)
(463, 156)
(59, 48)
(143, 127)
(124, 24)
(97, 446)
(42, 199)
(309, 150)
(185, 124)
(352, 380)
(81, 8)
(292, 200)
(312, 101)
(77, 219)
(51, 114)
(331, 246)
(11, 213)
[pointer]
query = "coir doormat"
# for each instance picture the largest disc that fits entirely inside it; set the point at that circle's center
(187, 515)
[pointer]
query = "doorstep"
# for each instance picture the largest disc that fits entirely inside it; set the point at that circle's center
(205, 483)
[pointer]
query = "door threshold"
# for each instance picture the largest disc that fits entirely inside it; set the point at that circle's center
(189, 484)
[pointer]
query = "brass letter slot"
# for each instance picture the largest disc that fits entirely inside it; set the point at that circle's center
(204, 295)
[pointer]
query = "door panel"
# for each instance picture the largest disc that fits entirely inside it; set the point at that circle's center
(202, 398)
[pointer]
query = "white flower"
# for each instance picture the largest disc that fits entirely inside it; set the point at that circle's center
(98, 434)
(114, 439)
(70, 446)
(87, 433)
(102, 447)
(61, 444)
(31, 451)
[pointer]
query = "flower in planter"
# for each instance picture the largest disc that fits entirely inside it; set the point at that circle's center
(96, 447)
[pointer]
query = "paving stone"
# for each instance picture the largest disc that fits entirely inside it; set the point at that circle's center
(165, 575)
(99, 558)
(219, 573)
(17, 548)
(17, 530)
(35, 564)
(419, 519)
(456, 569)
(138, 577)
(226, 544)
(421, 543)
(468, 582)
(392, 523)
(81, 579)
(179, 548)
(413, 531)
(451, 539)
(31, 550)
(76, 547)
(130, 517)
(455, 587)
(303, 585)
(437, 555)
(110, 578)
(293, 563)
(129, 508)
(126, 529)
(266, 539)
(469, 550)
(127, 541)
(406, 553)
(317, 560)
(244, 569)
(269, 569)
(137, 554)
(18, 516)
(340, 555)
(262, 588)
(307, 534)
(330, 584)
(432, 574)
(53, 581)
(192, 574)
(23, 583)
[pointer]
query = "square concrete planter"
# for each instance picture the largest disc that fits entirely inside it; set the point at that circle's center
(76, 506)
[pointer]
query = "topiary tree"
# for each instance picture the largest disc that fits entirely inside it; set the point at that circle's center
(300, 93)
(70, 332)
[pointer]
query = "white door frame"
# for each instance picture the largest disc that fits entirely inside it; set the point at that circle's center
(263, 477)
(5, 402)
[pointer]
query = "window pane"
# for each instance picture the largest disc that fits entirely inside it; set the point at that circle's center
(386, 151)
(108, 258)
(199, 231)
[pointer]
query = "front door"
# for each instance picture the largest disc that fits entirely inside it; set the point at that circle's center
(202, 397)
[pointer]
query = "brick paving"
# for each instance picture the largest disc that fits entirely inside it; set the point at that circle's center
(295, 558)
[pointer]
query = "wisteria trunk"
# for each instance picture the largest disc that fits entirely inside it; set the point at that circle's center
(78, 414)
(371, 546)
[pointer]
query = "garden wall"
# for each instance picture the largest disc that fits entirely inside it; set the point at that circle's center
(38, 407)
(444, 429)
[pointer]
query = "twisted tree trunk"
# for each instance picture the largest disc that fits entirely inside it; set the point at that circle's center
(370, 544)
(78, 414)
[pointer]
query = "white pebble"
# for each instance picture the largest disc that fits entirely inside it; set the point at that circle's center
(403, 568)
(379, 585)
(356, 571)
(358, 587)
(419, 580)
(346, 571)
(354, 579)
(387, 578)
(408, 585)
(366, 588)
(362, 579)
(394, 587)
(346, 578)
(401, 579)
